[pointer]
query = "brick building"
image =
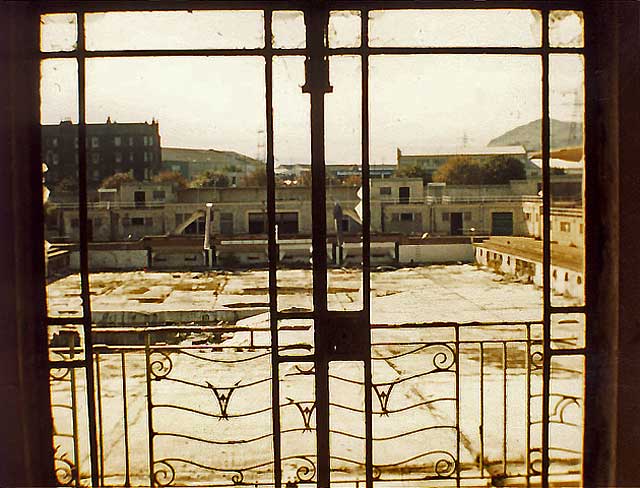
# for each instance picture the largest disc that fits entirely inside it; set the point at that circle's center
(111, 148)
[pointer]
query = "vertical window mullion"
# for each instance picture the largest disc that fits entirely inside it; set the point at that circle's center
(272, 252)
(84, 250)
(546, 250)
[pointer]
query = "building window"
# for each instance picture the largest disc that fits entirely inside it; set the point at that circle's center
(581, 228)
(159, 194)
(226, 224)
(118, 157)
(404, 194)
(257, 223)
(385, 190)
(146, 157)
(95, 142)
(406, 217)
(445, 216)
(131, 140)
(117, 141)
(565, 227)
(56, 159)
(95, 158)
(131, 157)
(137, 221)
(96, 175)
(54, 141)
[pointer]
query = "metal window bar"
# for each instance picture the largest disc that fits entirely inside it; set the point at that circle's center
(317, 51)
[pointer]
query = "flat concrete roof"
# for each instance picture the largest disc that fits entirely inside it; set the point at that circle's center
(531, 249)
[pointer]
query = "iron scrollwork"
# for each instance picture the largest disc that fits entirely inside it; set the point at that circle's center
(163, 473)
(160, 365)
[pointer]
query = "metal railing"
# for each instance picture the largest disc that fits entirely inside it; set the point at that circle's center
(191, 405)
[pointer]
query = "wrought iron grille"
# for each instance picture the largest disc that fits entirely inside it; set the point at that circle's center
(478, 403)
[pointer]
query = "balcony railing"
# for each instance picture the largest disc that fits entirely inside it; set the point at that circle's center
(191, 405)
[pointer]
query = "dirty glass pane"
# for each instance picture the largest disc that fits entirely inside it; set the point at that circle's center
(288, 29)
(566, 418)
(292, 152)
(298, 423)
(69, 416)
(175, 30)
(414, 405)
(568, 330)
(459, 130)
(295, 337)
(344, 184)
(455, 28)
(174, 176)
(346, 421)
(566, 28)
(566, 108)
(59, 130)
(58, 32)
(344, 29)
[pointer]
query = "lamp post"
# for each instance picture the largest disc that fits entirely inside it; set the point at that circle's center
(207, 234)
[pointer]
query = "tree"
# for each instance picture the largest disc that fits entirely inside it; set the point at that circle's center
(414, 171)
(115, 180)
(66, 184)
(257, 178)
(502, 169)
(460, 171)
(175, 178)
(210, 179)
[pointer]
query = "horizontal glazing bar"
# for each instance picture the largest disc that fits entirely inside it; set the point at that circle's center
(65, 321)
(302, 51)
(568, 309)
(55, 6)
(568, 352)
(77, 363)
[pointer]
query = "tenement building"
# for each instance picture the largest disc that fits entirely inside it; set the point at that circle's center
(112, 147)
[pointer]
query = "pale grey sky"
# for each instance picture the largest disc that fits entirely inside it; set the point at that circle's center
(416, 102)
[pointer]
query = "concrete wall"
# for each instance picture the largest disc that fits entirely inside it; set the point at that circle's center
(435, 253)
(111, 259)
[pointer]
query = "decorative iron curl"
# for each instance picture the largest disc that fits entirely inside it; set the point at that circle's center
(62, 373)
(446, 466)
(163, 473)
(64, 468)
(306, 473)
(563, 403)
(237, 478)
(537, 359)
(58, 374)
(377, 472)
(535, 465)
(160, 368)
(445, 359)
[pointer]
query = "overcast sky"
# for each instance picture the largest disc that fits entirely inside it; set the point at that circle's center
(416, 102)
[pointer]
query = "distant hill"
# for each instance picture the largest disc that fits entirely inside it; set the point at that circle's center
(563, 134)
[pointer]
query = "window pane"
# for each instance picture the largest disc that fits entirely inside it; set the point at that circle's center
(58, 32)
(344, 184)
(440, 28)
(566, 28)
(288, 29)
(175, 30)
(456, 126)
(59, 130)
(566, 107)
(344, 29)
(292, 152)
